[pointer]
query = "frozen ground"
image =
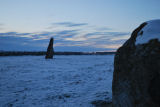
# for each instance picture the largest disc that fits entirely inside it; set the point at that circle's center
(66, 81)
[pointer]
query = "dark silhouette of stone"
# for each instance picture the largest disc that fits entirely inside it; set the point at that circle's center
(50, 51)
(101, 103)
(136, 78)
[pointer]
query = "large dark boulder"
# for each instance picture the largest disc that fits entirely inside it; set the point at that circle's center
(136, 78)
(50, 51)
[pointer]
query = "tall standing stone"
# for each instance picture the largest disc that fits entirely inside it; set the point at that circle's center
(50, 51)
(136, 78)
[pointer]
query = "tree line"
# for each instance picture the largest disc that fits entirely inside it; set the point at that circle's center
(21, 53)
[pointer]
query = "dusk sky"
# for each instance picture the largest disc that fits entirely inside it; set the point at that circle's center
(76, 25)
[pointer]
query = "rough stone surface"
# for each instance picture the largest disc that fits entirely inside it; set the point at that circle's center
(50, 51)
(136, 78)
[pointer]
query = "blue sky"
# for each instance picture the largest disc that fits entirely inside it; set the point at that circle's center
(76, 25)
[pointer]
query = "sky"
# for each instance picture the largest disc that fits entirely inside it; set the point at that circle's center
(76, 25)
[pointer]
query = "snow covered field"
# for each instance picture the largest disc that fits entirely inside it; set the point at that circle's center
(66, 81)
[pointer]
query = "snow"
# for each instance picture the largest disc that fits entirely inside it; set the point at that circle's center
(66, 81)
(150, 31)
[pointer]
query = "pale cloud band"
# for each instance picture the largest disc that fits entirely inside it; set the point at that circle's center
(70, 24)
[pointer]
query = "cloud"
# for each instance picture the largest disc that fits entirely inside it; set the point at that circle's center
(1, 26)
(87, 38)
(112, 46)
(70, 24)
(67, 33)
(16, 43)
(103, 28)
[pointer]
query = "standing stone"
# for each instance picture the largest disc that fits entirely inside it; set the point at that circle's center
(50, 51)
(136, 78)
